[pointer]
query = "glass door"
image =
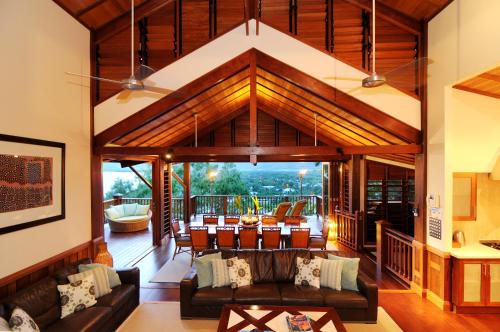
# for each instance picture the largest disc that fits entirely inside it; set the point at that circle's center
(472, 282)
(494, 297)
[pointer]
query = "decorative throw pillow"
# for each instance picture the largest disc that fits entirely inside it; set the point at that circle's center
(113, 277)
(4, 325)
(112, 213)
(204, 269)
(101, 281)
(308, 272)
(220, 273)
(21, 321)
(349, 272)
(129, 209)
(331, 273)
(77, 295)
(239, 272)
(142, 210)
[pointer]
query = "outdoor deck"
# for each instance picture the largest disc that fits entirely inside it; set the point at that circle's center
(127, 248)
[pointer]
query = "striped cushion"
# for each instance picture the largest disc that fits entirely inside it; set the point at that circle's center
(101, 280)
(331, 274)
(220, 273)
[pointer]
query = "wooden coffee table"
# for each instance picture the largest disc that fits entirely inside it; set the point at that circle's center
(236, 317)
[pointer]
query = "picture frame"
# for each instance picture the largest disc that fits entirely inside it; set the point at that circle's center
(32, 182)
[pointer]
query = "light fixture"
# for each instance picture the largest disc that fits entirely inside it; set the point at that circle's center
(212, 175)
(169, 154)
(302, 172)
(374, 79)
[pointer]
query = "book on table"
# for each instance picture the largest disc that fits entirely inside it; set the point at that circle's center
(299, 323)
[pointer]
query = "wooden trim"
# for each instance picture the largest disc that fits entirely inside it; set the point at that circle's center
(473, 199)
(96, 203)
(476, 91)
(439, 11)
(158, 219)
(10, 284)
(62, 4)
(253, 100)
(140, 176)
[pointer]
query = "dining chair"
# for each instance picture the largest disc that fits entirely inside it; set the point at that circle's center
(225, 237)
(299, 237)
(231, 220)
(248, 237)
(199, 240)
(319, 242)
(293, 220)
(271, 237)
(210, 219)
(181, 240)
(269, 220)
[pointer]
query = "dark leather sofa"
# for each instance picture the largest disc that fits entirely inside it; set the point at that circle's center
(41, 301)
(273, 273)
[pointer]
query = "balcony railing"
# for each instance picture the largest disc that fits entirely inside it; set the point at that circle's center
(349, 229)
(399, 254)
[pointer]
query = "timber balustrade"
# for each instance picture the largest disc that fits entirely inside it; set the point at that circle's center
(349, 229)
(394, 252)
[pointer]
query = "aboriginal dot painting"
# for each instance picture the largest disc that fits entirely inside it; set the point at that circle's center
(25, 182)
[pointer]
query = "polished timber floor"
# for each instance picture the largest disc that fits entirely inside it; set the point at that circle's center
(411, 312)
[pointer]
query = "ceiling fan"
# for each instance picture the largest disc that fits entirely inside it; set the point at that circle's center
(137, 80)
(392, 77)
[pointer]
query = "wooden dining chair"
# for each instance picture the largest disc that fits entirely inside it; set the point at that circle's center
(225, 237)
(210, 219)
(293, 220)
(248, 237)
(271, 237)
(199, 240)
(319, 242)
(181, 240)
(299, 237)
(269, 220)
(231, 220)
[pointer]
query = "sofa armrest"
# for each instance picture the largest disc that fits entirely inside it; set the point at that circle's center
(189, 284)
(190, 280)
(130, 276)
(369, 289)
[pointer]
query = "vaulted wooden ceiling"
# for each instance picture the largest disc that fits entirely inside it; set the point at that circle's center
(279, 92)
(486, 84)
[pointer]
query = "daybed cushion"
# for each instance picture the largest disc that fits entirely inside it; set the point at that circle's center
(142, 210)
(113, 213)
(132, 219)
(129, 209)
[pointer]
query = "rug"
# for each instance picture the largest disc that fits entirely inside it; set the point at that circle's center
(165, 316)
(173, 270)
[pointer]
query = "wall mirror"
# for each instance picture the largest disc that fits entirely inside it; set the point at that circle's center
(464, 196)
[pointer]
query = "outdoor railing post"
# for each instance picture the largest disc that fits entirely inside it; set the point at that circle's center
(382, 225)
(225, 204)
(117, 199)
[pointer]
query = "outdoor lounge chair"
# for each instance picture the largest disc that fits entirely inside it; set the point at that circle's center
(298, 207)
(281, 211)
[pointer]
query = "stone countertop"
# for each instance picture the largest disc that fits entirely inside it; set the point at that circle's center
(475, 251)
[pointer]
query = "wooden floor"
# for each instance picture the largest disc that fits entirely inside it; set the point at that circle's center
(127, 248)
(410, 311)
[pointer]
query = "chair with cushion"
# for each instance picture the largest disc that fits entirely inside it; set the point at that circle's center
(269, 220)
(248, 237)
(231, 220)
(319, 242)
(299, 237)
(225, 237)
(271, 237)
(210, 219)
(298, 207)
(181, 240)
(281, 210)
(293, 220)
(128, 217)
(199, 240)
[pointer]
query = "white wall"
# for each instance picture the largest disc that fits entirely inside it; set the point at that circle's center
(463, 39)
(276, 44)
(40, 41)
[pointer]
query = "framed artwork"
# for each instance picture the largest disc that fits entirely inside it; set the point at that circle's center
(31, 182)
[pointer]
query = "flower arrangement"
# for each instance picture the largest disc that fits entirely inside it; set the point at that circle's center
(256, 204)
(237, 204)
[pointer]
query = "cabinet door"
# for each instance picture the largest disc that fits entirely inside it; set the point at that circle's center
(472, 284)
(494, 284)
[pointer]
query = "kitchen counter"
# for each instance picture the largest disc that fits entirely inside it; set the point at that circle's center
(474, 251)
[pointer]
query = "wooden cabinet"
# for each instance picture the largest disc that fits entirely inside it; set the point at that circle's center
(476, 285)
(464, 196)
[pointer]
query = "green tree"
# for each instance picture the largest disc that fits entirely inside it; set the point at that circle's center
(132, 189)
(229, 181)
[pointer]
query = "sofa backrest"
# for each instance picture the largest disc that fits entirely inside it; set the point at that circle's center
(276, 265)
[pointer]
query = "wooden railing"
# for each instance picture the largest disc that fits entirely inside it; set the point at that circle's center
(349, 229)
(178, 208)
(399, 259)
(224, 204)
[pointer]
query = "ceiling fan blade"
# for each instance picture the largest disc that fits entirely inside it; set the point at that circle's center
(124, 95)
(157, 89)
(95, 78)
(412, 65)
(339, 78)
(142, 72)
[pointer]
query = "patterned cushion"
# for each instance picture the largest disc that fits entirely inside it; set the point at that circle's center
(4, 325)
(204, 269)
(112, 213)
(77, 296)
(308, 271)
(220, 273)
(331, 273)
(239, 272)
(142, 210)
(113, 277)
(21, 321)
(129, 209)
(101, 281)
(349, 272)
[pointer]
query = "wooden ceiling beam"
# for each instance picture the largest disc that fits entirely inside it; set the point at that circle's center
(85, 10)
(391, 15)
(122, 22)
(176, 98)
(310, 151)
